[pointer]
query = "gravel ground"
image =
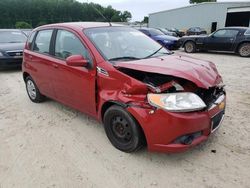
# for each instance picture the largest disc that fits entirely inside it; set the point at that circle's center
(50, 145)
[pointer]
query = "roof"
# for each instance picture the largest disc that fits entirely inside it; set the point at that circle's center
(10, 30)
(81, 25)
(203, 4)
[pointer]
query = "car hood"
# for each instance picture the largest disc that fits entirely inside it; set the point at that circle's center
(166, 37)
(11, 46)
(203, 73)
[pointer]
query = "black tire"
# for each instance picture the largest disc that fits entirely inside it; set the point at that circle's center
(122, 129)
(33, 91)
(190, 47)
(244, 50)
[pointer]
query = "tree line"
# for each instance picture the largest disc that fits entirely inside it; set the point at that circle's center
(33, 13)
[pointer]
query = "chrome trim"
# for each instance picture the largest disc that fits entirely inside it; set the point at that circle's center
(15, 51)
(213, 130)
(102, 71)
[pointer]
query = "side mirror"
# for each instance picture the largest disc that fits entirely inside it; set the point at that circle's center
(77, 61)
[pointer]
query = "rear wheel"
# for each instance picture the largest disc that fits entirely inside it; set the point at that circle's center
(33, 91)
(122, 130)
(190, 47)
(244, 50)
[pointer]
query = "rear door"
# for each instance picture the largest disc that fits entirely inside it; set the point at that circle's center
(38, 61)
(74, 86)
(221, 40)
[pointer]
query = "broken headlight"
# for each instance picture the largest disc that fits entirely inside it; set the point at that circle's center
(177, 102)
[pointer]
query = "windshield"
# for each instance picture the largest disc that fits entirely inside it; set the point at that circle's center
(155, 32)
(12, 37)
(124, 43)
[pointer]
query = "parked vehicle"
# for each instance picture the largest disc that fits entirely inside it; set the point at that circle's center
(169, 42)
(12, 43)
(196, 31)
(166, 32)
(178, 32)
(141, 92)
(231, 39)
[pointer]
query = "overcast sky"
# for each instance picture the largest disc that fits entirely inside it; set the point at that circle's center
(141, 8)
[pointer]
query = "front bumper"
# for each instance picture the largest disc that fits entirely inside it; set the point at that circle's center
(10, 62)
(172, 46)
(163, 129)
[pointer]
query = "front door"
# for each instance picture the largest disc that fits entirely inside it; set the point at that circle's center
(221, 40)
(74, 86)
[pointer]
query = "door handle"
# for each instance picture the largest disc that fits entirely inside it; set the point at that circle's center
(30, 57)
(55, 65)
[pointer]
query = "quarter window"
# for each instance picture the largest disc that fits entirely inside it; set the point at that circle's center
(247, 32)
(42, 42)
(68, 44)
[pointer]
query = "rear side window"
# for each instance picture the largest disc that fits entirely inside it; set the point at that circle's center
(247, 32)
(68, 44)
(42, 41)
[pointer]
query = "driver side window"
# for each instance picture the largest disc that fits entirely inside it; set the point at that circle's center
(68, 44)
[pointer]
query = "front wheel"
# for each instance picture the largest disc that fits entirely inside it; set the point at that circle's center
(190, 47)
(244, 50)
(122, 130)
(33, 91)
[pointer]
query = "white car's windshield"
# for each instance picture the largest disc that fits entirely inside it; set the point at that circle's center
(12, 37)
(124, 43)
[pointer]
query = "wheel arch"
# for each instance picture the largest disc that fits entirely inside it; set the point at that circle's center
(25, 75)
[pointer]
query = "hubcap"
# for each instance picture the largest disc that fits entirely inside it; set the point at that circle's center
(31, 89)
(121, 129)
(245, 50)
(189, 47)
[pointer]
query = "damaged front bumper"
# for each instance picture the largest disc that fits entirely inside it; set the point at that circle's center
(176, 132)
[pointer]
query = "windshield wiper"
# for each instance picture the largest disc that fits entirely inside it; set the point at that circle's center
(125, 58)
(153, 53)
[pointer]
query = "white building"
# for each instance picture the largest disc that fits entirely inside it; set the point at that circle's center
(209, 15)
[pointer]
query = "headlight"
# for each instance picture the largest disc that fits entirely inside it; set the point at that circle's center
(167, 41)
(1, 54)
(177, 102)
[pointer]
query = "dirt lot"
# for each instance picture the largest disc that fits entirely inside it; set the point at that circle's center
(50, 145)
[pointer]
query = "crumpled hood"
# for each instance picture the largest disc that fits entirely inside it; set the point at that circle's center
(11, 46)
(203, 73)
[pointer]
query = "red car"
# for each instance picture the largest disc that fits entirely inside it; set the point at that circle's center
(143, 93)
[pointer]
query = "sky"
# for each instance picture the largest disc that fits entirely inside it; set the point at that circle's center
(141, 8)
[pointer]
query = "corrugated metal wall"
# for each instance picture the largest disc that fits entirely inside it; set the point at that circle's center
(200, 15)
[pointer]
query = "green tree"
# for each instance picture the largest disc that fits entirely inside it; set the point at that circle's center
(145, 19)
(125, 16)
(200, 1)
(23, 25)
(39, 12)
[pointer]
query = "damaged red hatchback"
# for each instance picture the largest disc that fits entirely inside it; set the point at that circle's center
(143, 94)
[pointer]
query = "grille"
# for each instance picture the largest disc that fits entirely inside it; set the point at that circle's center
(15, 53)
(216, 120)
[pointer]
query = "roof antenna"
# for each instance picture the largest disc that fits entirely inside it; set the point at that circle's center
(107, 20)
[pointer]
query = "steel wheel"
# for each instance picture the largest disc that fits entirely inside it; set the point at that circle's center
(244, 50)
(122, 129)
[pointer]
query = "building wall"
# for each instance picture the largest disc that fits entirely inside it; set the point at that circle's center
(200, 15)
